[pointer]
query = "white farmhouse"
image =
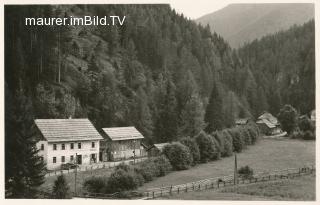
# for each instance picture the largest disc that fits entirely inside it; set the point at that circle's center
(67, 140)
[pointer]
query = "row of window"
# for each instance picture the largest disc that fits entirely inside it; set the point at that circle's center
(63, 159)
(63, 146)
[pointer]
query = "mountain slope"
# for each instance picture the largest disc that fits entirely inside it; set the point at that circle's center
(241, 23)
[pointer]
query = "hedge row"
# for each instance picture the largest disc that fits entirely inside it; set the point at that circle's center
(208, 147)
(129, 177)
(178, 156)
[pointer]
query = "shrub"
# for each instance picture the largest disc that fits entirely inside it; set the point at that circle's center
(95, 184)
(254, 133)
(148, 170)
(206, 146)
(193, 147)
(305, 124)
(219, 140)
(121, 180)
(227, 144)
(288, 118)
(61, 189)
(163, 165)
(246, 136)
(237, 140)
(245, 172)
(124, 167)
(308, 135)
(216, 147)
(178, 155)
(296, 134)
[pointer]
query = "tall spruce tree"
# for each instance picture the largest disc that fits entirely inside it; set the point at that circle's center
(24, 170)
(192, 117)
(214, 112)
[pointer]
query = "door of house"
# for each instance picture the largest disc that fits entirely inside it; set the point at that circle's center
(100, 156)
(79, 159)
(93, 158)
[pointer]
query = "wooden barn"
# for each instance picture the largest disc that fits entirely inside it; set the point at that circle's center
(156, 149)
(121, 143)
(269, 124)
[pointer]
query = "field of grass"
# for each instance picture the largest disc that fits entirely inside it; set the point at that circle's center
(301, 188)
(267, 154)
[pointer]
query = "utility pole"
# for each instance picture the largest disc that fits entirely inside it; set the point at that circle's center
(235, 169)
(75, 175)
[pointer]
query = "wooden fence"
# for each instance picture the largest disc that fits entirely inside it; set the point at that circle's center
(83, 168)
(220, 182)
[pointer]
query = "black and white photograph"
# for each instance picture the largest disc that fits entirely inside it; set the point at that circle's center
(178, 100)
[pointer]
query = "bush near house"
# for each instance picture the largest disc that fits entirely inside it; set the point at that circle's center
(95, 184)
(206, 147)
(122, 180)
(193, 147)
(179, 155)
(163, 165)
(61, 188)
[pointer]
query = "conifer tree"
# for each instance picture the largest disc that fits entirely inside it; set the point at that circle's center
(61, 188)
(24, 170)
(214, 114)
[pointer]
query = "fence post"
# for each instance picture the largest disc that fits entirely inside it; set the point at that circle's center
(192, 186)
(212, 185)
(152, 194)
(218, 184)
(206, 186)
(178, 190)
(186, 187)
(170, 189)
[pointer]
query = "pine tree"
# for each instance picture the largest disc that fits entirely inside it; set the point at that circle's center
(214, 115)
(167, 122)
(24, 170)
(192, 117)
(143, 119)
(61, 188)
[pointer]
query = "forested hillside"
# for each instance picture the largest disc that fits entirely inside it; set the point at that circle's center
(243, 23)
(160, 72)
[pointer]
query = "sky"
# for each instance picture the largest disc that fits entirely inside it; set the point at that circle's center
(197, 8)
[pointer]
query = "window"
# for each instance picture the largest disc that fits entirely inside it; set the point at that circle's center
(93, 144)
(71, 158)
(71, 146)
(54, 160)
(63, 147)
(42, 147)
(79, 145)
(63, 159)
(54, 146)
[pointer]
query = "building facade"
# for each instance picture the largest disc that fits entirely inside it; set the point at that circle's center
(268, 124)
(67, 141)
(121, 143)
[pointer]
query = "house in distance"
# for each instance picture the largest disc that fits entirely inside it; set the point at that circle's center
(121, 143)
(269, 124)
(67, 140)
(156, 149)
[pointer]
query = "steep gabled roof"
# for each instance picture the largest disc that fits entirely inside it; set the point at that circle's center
(122, 133)
(56, 130)
(269, 117)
